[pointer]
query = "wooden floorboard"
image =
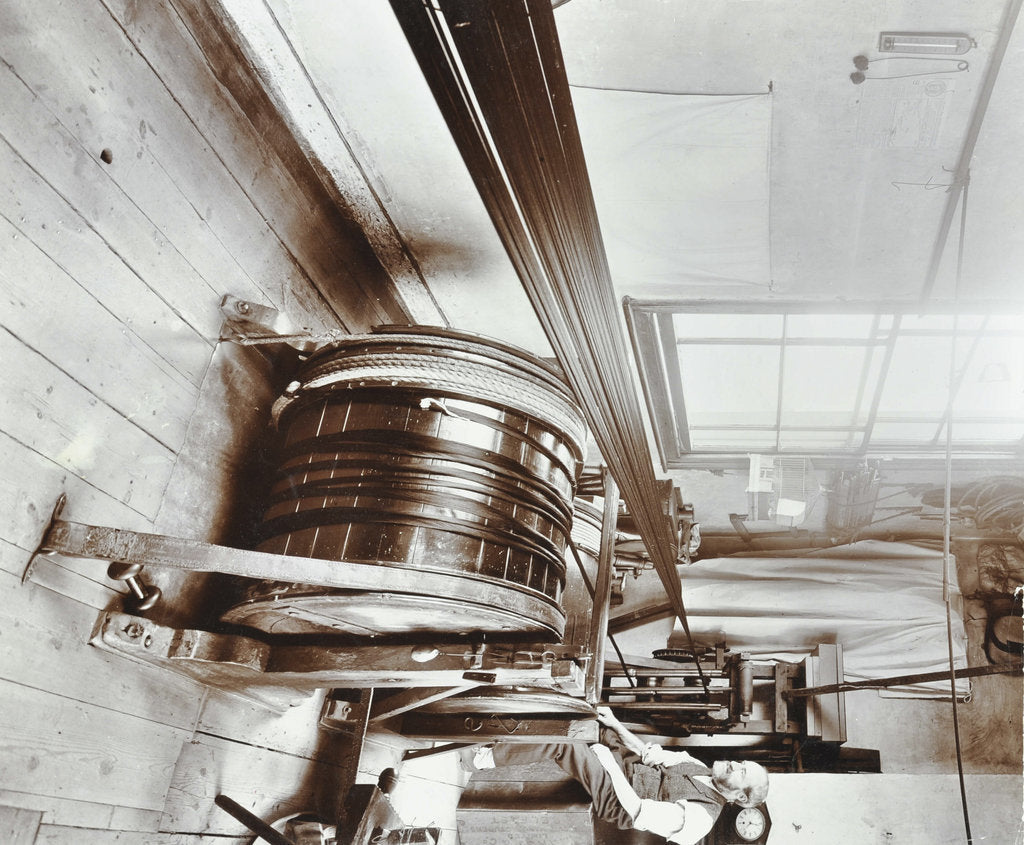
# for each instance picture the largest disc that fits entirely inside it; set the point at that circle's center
(29, 488)
(18, 826)
(318, 223)
(45, 646)
(110, 99)
(294, 731)
(61, 747)
(64, 812)
(270, 784)
(89, 589)
(57, 319)
(66, 835)
(31, 205)
(246, 158)
(77, 175)
(49, 412)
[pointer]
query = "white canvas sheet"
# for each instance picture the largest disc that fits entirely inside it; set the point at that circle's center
(882, 601)
(681, 187)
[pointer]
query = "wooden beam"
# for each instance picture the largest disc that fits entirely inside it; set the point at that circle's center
(602, 590)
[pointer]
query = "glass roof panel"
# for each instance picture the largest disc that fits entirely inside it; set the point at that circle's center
(903, 433)
(993, 383)
(917, 382)
(1008, 434)
(927, 323)
(833, 441)
(733, 440)
(830, 325)
(727, 325)
(726, 385)
(1005, 323)
(821, 385)
(832, 371)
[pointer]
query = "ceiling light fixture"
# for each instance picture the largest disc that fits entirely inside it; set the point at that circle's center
(938, 43)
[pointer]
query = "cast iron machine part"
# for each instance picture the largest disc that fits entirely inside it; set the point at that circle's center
(745, 696)
(673, 700)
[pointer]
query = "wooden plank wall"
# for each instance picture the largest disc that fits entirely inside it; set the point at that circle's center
(135, 193)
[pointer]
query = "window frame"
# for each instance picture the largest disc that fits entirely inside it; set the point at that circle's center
(655, 347)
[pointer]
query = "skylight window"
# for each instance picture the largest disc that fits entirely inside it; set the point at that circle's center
(729, 379)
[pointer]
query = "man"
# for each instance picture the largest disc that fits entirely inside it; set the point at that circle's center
(642, 786)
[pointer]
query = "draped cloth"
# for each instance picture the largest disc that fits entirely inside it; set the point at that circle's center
(681, 186)
(883, 602)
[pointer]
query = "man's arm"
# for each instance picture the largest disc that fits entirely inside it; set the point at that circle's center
(624, 791)
(683, 821)
(650, 753)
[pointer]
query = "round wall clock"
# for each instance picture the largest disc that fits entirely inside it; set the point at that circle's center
(750, 824)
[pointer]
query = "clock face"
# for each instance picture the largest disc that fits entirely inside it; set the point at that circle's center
(749, 823)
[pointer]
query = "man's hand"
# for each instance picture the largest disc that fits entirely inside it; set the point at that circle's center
(606, 717)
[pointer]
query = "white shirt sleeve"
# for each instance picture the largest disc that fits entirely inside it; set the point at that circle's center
(680, 822)
(655, 755)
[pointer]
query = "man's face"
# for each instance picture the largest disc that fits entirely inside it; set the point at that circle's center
(731, 778)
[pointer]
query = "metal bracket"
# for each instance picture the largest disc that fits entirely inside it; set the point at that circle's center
(252, 324)
(236, 663)
(42, 548)
(488, 728)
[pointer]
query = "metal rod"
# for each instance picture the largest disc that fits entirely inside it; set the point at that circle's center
(963, 164)
(72, 539)
(904, 680)
(688, 706)
(254, 823)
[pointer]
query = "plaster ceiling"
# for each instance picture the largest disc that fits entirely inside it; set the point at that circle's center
(857, 175)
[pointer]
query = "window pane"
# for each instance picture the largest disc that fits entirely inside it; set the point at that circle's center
(1005, 323)
(725, 385)
(730, 385)
(736, 440)
(821, 385)
(727, 325)
(917, 382)
(927, 323)
(829, 325)
(876, 357)
(833, 441)
(903, 433)
(993, 384)
(995, 433)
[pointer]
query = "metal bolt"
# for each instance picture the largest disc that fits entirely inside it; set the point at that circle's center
(142, 597)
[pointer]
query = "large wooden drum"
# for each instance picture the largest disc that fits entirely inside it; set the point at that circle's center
(446, 460)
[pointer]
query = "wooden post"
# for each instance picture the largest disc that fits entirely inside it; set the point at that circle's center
(602, 589)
